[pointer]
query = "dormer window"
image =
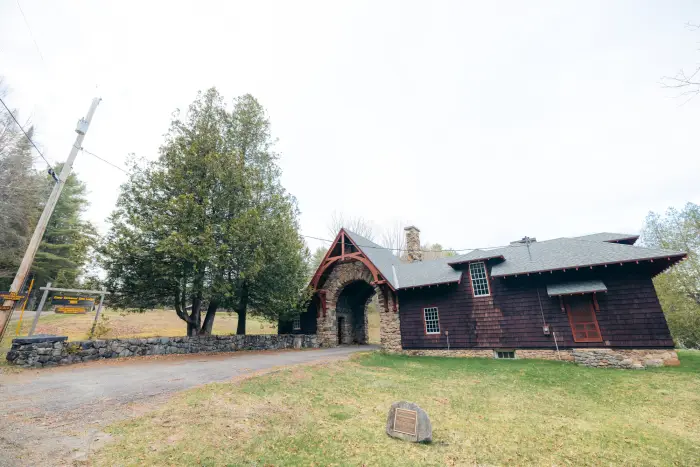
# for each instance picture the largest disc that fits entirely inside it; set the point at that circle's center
(480, 280)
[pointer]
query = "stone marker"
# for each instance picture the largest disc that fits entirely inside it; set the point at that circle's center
(409, 422)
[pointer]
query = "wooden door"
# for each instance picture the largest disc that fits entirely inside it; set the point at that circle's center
(584, 325)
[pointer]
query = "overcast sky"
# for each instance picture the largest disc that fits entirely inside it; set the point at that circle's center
(479, 122)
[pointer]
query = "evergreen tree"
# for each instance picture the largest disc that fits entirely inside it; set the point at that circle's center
(208, 225)
(68, 240)
(22, 192)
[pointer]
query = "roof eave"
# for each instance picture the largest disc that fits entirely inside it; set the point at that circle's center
(456, 281)
(675, 258)
(485, 258)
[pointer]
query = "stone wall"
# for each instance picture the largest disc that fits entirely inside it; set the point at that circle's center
(598, 358)
(389, 323)
(625, 358)
(48, 353)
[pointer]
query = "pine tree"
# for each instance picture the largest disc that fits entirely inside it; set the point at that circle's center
(22, 192)
(207, 225)
(68, 240)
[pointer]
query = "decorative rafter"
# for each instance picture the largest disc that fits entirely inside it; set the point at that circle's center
(349, 250)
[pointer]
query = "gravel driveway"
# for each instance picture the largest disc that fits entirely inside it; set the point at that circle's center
(55, 416)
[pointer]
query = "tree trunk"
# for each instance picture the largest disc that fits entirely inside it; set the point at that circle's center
(208, 324)
(242, 309)
(241, 322)
(192, 329)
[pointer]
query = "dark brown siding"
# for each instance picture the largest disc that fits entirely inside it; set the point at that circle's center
(630, 314)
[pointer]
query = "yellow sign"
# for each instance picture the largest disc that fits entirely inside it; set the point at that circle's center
(71, 310)
(11, 296)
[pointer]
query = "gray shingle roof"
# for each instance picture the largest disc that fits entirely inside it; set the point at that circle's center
(607, 237)
(560, 253)
(382, 258)
(475, 255)
(570, 288)
(564, 253)
(419, 273)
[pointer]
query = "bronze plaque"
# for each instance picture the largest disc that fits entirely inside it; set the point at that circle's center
(405, 421)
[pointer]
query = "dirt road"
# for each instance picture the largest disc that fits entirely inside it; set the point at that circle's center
(55, 416)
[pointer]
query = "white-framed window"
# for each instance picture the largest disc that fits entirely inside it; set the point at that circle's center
(432, 321)
(507, 354)
(480, 281)
(296, 323)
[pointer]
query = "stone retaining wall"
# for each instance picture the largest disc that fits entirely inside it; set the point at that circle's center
(599, 358)
(51, 353)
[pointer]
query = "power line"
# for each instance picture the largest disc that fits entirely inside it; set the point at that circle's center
(27, 136)
(31, 34)
(103, 160)
(378, 247)
(325, 239)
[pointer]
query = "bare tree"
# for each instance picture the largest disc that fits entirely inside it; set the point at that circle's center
(394, 238)
(358, 225)
(687, 83)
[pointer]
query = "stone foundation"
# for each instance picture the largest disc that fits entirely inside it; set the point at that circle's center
(51, 353)
(623, 358)
(597, 358)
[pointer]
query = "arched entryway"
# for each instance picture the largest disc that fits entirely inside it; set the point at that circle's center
(343, 287)
(351, 313)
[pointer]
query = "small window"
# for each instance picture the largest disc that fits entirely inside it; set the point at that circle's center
(296, 324)
(510, 354)
(432, 321)
(480, 282)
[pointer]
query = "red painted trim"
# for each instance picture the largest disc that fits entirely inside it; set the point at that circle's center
(328, 260)
(425, 323)
(456, 281)
(322, 298)
(679, 257)
(595, 322)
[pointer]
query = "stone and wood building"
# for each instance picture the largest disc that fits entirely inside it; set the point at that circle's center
(589, 299)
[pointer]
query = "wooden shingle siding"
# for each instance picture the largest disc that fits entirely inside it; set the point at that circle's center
(630, 315)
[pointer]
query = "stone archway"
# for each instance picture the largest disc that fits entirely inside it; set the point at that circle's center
(355, 281)
(351, 313)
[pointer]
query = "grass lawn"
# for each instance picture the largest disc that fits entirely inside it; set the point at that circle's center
(483, 411)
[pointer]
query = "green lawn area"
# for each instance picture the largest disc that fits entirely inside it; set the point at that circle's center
(483, 411)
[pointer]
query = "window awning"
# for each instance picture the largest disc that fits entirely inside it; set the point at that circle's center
(578, 287)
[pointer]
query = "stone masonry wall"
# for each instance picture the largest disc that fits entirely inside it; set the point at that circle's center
(635, 359)
(41, 354)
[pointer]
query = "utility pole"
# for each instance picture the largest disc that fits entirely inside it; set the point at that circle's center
(81, 129)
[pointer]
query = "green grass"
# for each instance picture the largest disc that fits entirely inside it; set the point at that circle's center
(494, 412)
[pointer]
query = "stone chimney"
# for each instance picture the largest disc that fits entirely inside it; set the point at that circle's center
(413, 253)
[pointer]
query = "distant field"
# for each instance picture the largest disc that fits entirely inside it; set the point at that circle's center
(156, 323)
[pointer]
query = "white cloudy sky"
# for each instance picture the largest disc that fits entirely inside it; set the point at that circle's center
(479, 122)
